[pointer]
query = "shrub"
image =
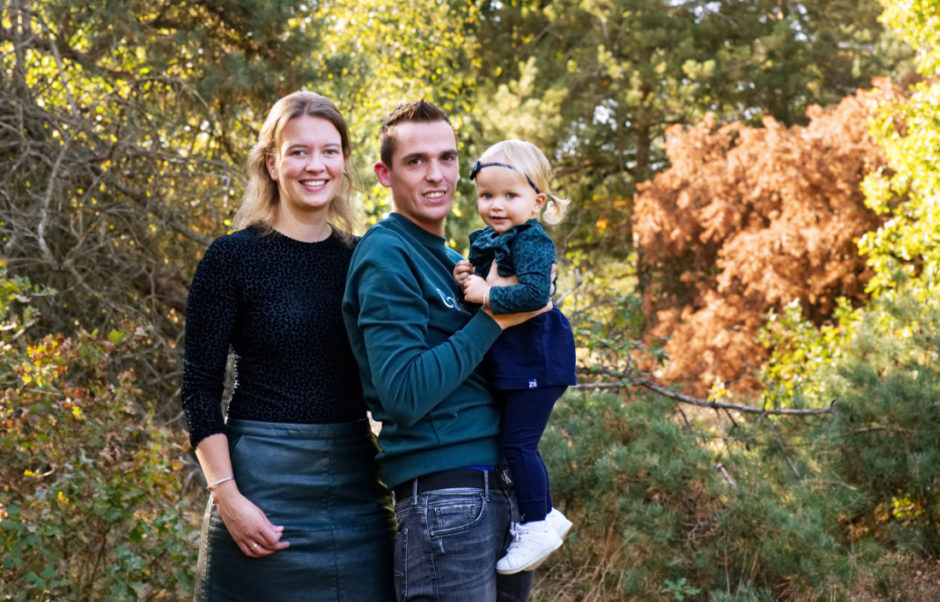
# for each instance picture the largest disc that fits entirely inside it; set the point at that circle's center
(655, 519)
(90, 507)
(885, 438)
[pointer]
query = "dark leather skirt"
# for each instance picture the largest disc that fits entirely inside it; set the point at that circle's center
(320, 481)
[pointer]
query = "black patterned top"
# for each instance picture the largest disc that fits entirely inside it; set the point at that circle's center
(276, 301)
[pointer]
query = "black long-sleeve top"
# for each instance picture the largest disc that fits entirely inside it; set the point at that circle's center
(277, 302)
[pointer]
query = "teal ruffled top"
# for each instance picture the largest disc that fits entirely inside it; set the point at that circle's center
(527, 252)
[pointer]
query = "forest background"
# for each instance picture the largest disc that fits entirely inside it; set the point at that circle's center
(750, 264)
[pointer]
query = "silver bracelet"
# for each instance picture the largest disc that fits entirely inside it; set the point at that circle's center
(219, 482)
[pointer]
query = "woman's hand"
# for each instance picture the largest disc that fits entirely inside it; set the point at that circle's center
(246, 523)
(254, 534)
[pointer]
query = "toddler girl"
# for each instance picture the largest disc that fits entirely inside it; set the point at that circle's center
(532, 364)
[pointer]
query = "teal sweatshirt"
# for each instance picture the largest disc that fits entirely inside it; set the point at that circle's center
(418, 350)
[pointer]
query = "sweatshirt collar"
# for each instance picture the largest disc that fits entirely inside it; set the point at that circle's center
(401, 222)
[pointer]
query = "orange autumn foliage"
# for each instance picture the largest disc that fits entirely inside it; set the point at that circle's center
(745, 220)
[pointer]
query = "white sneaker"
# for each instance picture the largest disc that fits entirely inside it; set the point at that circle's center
(532, 542)
(559, 522)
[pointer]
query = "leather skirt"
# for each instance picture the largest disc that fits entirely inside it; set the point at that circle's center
(320, 481)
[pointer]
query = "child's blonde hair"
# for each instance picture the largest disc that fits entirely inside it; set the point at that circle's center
(527, 159)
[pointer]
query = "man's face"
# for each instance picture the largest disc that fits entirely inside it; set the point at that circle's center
(423, 173)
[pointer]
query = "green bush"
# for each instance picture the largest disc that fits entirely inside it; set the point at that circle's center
(90, 507)
(655, 519)
(885, 436)
(879, 365)
(643, 494)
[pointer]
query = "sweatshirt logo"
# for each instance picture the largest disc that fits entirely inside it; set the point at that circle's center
(451, 301)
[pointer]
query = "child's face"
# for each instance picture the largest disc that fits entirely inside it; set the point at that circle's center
(505, 199)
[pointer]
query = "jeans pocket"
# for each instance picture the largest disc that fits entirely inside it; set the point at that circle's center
(448, 514)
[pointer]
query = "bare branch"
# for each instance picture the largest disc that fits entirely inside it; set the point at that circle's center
(156, 209)
(579, 279)
(724, 472)
(635, 380)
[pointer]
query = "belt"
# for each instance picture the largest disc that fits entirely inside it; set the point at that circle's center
(458, 477)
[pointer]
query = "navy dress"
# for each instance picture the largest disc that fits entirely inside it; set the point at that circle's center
(530, 365)
(539, 352)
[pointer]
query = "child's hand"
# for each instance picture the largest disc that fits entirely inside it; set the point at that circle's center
(475, 289)
(462, 270)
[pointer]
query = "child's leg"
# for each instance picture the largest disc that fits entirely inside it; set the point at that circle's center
(525, 417)
(548, 491)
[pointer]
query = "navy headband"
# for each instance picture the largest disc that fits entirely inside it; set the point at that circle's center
(477, 166)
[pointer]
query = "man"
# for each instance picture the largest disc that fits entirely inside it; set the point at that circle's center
(418, 349)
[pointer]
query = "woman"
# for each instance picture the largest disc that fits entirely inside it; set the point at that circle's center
(296, 509)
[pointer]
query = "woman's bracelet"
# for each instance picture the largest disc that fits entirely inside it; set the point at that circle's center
(486, 297)
(219, 482)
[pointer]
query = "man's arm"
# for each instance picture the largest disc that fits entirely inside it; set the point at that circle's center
(389, 322)
(494, 280)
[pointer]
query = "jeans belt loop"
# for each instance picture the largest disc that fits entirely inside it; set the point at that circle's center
(414, 492)
(486, 484)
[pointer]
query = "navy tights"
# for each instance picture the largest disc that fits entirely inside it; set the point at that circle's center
(525, 416)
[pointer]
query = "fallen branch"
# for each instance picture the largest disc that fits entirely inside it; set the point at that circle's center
(635, 380)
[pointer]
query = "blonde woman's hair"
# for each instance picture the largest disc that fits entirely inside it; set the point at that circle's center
(262, 200)
(527, 159)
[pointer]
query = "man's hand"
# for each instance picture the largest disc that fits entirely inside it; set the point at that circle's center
(508, 320)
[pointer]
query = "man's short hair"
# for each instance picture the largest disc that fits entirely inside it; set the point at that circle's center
(420, 111)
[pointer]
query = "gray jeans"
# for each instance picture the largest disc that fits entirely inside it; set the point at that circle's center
(448, 543)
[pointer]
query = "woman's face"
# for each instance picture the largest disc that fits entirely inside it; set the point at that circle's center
(308, 165)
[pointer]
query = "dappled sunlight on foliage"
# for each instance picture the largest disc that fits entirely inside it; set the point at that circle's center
(797, 349)
(664, 504)
(734, 272)
(887, 430)
(907, 192)
(90, 506)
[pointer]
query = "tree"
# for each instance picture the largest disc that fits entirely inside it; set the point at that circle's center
(907, 190)
(747, 220)
(598, 83)
(125, 126)
(878, 361)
